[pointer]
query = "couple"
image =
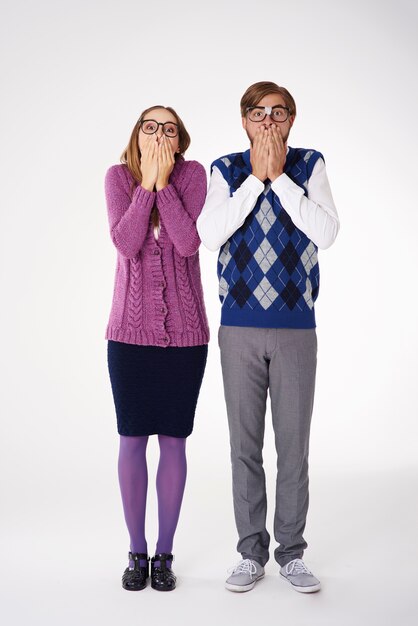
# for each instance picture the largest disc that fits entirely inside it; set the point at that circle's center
(267, 209)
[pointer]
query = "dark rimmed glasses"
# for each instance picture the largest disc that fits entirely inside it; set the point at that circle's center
(277, 113)
(149, 127)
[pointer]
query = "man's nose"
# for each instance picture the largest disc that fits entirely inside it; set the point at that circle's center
(268, 121)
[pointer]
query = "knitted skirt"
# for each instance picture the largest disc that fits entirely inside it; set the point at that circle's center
(155, 389)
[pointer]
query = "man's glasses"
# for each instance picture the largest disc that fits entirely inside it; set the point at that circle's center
(149, 127)
(277, 113)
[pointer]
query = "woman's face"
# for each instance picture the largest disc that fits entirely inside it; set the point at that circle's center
(158, 117)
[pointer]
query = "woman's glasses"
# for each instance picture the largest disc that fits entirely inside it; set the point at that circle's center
(149, 127)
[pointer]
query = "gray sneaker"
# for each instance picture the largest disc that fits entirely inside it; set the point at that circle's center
(244, 575)
(298, 575)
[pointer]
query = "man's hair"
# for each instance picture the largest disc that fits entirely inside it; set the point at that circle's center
(256, 92)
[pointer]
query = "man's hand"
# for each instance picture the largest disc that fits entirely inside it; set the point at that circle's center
(165, 162)
(276, 153)
(259, 154)
(149, 162)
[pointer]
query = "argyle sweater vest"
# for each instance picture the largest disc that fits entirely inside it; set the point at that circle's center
(268, 269)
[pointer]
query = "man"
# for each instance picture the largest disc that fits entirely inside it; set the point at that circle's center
(269, 209)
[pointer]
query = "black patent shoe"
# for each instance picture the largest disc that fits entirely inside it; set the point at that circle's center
(136, 579)
(162, 577)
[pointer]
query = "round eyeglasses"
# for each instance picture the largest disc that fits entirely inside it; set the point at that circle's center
(277, 113)
(149, 127)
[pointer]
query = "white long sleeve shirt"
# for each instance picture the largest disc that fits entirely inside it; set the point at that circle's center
(315, 215)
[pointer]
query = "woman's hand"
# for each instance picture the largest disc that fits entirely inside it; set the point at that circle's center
(165, 162)
(277, 153)
(149, 162)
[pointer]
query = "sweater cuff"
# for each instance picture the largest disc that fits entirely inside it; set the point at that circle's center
(283, 183)
(166, 196)
(144, 197)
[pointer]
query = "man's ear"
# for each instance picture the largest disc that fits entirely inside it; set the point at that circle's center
(244, 122)
(291, 120)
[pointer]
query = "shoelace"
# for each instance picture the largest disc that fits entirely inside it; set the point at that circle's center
(297, 566)
(244, 567)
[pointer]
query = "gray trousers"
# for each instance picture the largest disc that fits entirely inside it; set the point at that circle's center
(282, 361)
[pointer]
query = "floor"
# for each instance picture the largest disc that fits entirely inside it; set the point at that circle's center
(58, 566)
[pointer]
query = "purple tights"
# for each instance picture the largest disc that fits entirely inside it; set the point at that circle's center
(133, 480)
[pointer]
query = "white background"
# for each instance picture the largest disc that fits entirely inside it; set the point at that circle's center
(75, 76)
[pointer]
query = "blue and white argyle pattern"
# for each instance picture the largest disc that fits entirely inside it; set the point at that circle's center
(268, 270)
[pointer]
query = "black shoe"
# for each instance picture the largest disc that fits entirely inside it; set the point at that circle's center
(162, 577)
(136, 579)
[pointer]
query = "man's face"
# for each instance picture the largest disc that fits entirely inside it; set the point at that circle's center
(271, 100)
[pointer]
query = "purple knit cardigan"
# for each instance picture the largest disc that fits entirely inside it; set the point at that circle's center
(158, 296)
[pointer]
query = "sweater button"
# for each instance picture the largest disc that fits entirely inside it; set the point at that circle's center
(162, 284)
(162, 309)
(156, 251)
(165, 339)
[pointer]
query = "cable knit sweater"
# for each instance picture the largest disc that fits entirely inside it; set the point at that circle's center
(158, 297)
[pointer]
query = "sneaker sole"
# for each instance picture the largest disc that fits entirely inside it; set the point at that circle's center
(311, 589)
(241, 588)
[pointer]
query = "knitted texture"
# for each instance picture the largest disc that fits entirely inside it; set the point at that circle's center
(158, 296)
(268, 269)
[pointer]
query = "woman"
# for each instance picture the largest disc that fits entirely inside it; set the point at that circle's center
(158, 331)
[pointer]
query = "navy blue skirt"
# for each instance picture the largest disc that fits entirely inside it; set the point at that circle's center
(155, 389)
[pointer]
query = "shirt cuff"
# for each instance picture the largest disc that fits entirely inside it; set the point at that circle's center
(283, 183)
(253, 184)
